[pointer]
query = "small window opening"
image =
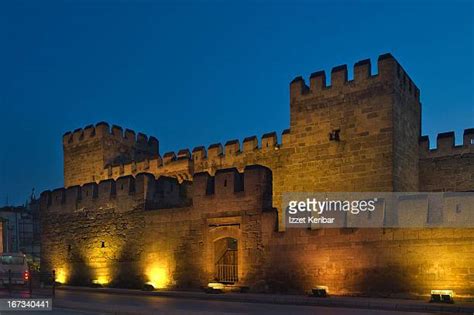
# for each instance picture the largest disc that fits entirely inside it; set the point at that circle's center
(334, 135)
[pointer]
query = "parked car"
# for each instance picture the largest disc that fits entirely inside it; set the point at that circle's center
(14, 268)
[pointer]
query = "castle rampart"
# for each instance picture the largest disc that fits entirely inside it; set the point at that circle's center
(102, 129)
(389, 70)
(125, 193)
(445, 145)
(128, 192)
(136, 209)
(368, 111)
(180, 241)
(88, 150)
(345, 135)
(447, 167)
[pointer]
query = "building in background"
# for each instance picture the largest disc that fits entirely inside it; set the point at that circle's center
(21, 231)
(1, 236)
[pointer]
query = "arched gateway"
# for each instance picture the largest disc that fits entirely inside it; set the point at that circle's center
(226, 260)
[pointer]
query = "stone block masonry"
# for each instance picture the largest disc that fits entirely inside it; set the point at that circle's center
(87, 150)
(128, 215)
(126, 234)
(447, 167)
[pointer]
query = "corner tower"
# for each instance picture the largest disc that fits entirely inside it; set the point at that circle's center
(87, 151)
(363, 134)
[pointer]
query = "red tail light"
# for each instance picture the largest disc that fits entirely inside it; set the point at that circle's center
(26, 275)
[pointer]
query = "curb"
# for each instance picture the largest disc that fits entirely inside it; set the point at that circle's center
(76, 306)
(379, 304)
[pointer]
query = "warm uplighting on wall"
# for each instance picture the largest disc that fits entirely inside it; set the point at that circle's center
(61, 275)
(102, 256)
(102, 280)
(157, 276)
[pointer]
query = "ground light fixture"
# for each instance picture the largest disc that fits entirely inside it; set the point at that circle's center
(100, 281)
(320, 291)
(148, 287)
(442, 296)
(214, 287)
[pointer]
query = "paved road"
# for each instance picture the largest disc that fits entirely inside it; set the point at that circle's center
(83, 303)
(56, 311)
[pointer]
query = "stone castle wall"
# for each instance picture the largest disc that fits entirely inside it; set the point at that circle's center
(130, 244)
(377, 118)
(116, 239)
(447, 167)
(87, 150)
(130, 215)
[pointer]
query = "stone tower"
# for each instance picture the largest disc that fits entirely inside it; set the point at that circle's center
(358, 135)
(87, 151)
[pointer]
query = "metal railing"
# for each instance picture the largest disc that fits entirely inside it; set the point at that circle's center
(226, 273)
(226, 267)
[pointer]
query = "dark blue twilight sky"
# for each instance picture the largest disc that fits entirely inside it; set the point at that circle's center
(195, 73)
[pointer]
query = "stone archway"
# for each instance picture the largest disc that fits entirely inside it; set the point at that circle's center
(220, 229)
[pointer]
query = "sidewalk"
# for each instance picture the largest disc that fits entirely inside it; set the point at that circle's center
(336, 301)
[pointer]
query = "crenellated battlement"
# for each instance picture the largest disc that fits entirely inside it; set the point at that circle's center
(127, 192)
(103, 130)
(389, 70)
(364, 129)
(182, 163)
(170, 165)
(254, 184)
(184, 158)
(446, 145)
(232, 148)
(88, 150)
(123, 194)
